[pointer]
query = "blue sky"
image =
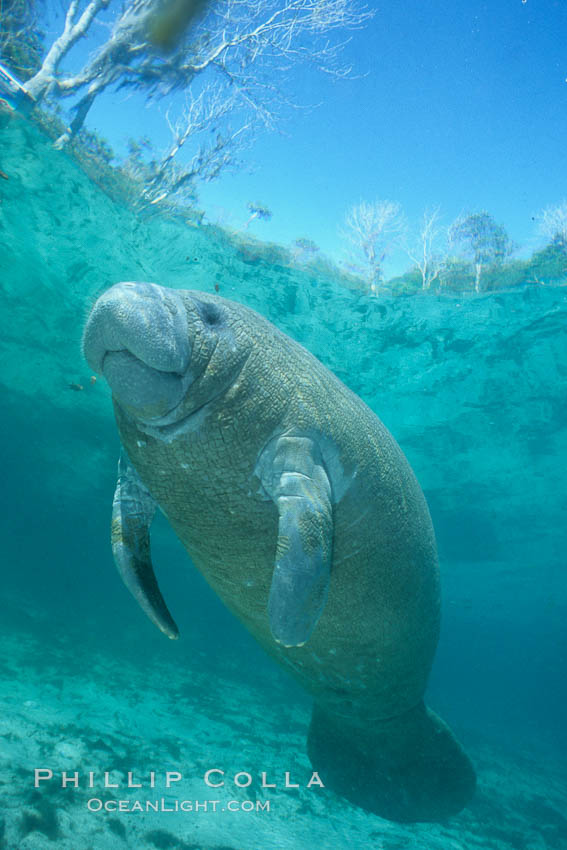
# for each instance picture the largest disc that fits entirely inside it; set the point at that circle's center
(462, 105)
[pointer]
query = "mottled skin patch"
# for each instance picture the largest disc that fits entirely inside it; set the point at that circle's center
(282, 547)
(311, 534)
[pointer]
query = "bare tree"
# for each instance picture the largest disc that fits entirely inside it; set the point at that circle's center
(426, 252)
(552, 224)
(165, 177)
(373, 229)
(245, 43)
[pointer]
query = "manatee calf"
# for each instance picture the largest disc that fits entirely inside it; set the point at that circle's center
(302, 513)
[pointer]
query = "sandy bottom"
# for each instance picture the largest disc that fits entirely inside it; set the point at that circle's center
(67, 707)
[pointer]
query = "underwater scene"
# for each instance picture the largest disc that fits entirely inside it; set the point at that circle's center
(347, 626)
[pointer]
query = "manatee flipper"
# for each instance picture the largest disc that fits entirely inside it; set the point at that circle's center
(293, 475)
(133, 509)
(407, 768)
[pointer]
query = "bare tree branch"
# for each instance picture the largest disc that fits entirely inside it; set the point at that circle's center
(552, 224)
(234, 37)
(425, 253)
(232, 65)
(165, 178)
(373, 230)
(72, 32)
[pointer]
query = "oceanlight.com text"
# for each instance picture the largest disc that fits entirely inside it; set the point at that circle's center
(95, 804)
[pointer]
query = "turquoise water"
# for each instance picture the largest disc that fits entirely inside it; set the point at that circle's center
(472, 386)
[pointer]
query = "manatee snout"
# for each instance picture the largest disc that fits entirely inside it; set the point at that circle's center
(137, 337)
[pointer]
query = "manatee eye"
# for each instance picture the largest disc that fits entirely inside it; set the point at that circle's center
(210, 314)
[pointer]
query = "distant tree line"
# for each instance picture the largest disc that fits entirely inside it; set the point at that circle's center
(473, 252)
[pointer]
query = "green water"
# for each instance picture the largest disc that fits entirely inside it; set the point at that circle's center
(474, 387)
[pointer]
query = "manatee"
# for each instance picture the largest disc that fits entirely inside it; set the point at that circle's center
(302, 513)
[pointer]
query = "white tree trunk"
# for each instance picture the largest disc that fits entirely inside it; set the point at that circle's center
(38, 85)
(478, 270)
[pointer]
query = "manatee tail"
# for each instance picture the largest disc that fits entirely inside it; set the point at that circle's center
(409, 768)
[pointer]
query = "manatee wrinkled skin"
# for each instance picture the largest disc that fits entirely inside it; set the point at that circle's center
(302, 513)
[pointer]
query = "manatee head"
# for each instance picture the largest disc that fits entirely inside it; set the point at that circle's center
(165, 353)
